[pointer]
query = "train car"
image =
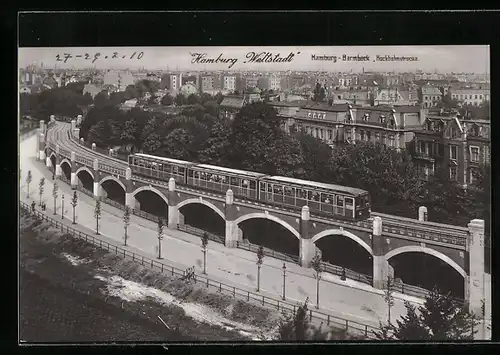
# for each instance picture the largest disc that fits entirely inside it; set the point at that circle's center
(324, 199)
(159, 168)
(218, 179)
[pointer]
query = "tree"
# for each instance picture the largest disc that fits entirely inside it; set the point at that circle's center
(439, 318)
(389, 297)
(260, 259)
(217, 145)
(295, 328)
(193, 99)
(126, 221)
(253, 132)
(318, 269)
(161, 225)
(204, 243)
(97, 213)
(29, 178)
(41, 185)
(74, 202)
(319, 93)
(55, 189)
(178, 144)
(128, 136)
(101, 99)
(167, 100)
(180, 100)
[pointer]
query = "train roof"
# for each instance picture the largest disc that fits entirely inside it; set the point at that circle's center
(169, 160)
(231, 171)
(321, 185)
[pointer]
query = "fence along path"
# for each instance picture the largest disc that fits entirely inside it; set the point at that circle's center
(351, 327)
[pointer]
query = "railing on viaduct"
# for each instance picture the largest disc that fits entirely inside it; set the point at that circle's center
(393, 226)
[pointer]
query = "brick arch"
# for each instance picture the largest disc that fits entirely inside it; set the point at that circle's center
(203, 202)
(344, 233)
(65, 160)
(414, 248)
(270, 217)
(52, 154)
(86, 169)
(111, 177)
(153, 189)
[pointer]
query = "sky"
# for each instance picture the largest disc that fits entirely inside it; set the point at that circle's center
(428, 58)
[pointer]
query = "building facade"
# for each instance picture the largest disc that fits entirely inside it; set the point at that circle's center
(470, 96)
(452, 146)
(230, 106)
(338, 124)
(431, 96)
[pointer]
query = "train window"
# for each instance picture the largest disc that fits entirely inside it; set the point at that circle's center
(349, 203)
(203, 176)
(270, 188)
(340, 201)
(327, 199)
(262, 186)
(278, 189)
(301, 193)
(253, 185)
(245, 183)
(315, 196)
(175, 169)
(234, 181)
(190, 173)
(288, 191)
(224, 179)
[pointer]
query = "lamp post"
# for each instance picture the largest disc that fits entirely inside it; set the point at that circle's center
(284, 277)
(62, 207)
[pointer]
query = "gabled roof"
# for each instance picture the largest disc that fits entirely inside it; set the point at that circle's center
(233, 102)
(326, 107)
(430, 90)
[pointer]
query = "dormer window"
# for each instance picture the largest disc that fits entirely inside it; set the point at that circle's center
(382, 118)
(366, 117)
(430, 126)
(314, 115)
(309, 115)
(324, 116)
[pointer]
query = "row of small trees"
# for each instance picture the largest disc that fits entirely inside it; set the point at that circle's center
(316, 262)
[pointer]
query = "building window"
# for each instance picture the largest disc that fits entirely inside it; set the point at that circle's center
(422, 147)
(321, 133)
(453, 173)
(361, 135)
(368, 136)
(453, 152)
(391, 140)
(330, 134)
(474, 154)
(475, 96)
(309, 115)
(472, 177)
(317, 132)
(377, 136)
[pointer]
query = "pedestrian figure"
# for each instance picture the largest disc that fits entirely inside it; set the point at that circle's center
(33, 204)
(53, 176)
(44, 206)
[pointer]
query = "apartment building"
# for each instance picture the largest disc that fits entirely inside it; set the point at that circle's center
(453, 146)
(344, 123)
